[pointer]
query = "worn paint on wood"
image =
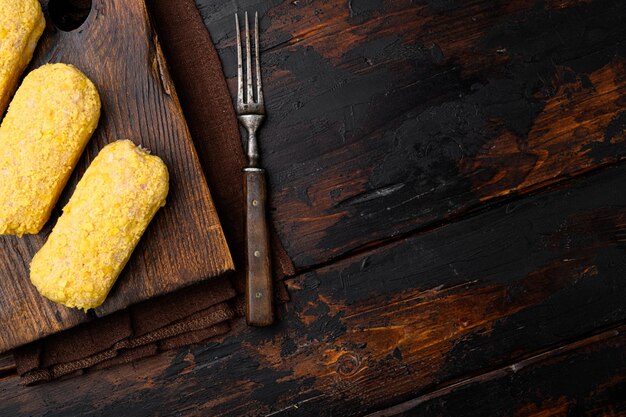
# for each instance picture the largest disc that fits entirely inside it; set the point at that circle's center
(506, 98)
(387, 117)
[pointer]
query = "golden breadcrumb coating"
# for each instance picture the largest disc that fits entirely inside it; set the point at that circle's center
(118, 196)
(48, 124)
(21, 25)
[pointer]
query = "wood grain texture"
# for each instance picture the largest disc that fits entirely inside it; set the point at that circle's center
(118, 51)
(391, 116)
(395, 322)
(372, 104)
(582, 378)
(259, 279)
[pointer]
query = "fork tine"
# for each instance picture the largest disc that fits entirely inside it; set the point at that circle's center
(257, 51)
(250, 96)
(239, 63)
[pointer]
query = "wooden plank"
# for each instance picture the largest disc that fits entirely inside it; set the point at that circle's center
(390, 116)
(587, 377)
(392, 323)
(116, 48)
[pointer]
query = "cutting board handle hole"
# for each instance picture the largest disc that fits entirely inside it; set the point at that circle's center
(69, 15)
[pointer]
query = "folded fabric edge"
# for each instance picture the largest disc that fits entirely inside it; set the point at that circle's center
(123, 354)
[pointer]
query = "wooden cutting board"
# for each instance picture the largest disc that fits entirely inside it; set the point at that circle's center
(119, 52)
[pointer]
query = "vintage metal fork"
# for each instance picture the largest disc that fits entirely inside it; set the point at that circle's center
(251, 113)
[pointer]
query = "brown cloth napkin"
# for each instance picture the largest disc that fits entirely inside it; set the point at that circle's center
(195, 314)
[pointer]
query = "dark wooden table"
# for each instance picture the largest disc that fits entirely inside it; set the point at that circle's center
(448, 177)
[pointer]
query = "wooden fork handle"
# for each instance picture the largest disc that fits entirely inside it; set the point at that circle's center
(259, 291)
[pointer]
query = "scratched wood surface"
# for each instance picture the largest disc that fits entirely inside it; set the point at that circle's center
(116, 48)
(448, 177)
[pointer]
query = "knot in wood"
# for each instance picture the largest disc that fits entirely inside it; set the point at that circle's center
(348, 364)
